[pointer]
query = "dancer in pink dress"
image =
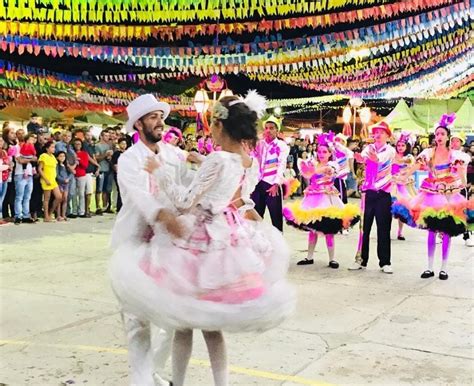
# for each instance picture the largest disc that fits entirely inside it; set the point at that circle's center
(438, 206)
(321, 211)
(403, 182)
(224, 272)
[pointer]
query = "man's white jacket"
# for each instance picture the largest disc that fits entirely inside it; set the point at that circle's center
(137, 188)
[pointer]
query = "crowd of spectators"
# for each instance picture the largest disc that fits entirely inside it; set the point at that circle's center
(69, 173)
(58, 176)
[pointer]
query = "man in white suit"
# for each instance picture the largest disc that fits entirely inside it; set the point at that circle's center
(148, 346)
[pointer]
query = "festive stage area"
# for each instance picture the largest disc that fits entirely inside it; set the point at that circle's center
(61, 323)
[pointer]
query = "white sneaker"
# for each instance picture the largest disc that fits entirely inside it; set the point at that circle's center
(160, 381)
(470, 242)
(355, 266)
(387, 269)
(345, 232)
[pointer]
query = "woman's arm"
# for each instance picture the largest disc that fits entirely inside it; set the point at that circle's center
(3, 166)
(185, 197)
(41, 172)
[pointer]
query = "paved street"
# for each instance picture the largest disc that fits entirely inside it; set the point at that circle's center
(60, 323)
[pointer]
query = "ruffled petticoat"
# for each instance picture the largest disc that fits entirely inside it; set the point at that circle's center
(321, 212)
(235, 282)
(290, 186)
(438, 207)
(401, 194)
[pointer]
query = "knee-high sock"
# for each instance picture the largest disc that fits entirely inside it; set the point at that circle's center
(161, 343)
(330, 246)
(218, 356)
(139, 350)
(400, 228)
(182, 348)
(431, 249)
(445, 251)
(312, 241)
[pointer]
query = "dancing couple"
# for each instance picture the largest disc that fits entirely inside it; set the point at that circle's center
(191, 252)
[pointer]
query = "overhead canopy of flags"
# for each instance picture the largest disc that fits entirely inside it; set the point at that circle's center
(102, 54)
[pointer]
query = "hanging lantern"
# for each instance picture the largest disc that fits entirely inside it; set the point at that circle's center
(201, 101)
(225, 93)
(201, 104)
(347, 114)
(365, 115)
(356, 102)
(346, 117)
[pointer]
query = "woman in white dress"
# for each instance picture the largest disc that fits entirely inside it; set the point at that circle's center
(226, 272)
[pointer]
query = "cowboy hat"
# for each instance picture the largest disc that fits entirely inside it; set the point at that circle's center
(459, 135)
(342, 137)
(384, 126)
(274, 120)
(142, 106)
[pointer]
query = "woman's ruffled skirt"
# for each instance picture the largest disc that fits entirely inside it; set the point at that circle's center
(401, 196)
(241, 287)
(290, 187)
(446, 213)
(321, 212)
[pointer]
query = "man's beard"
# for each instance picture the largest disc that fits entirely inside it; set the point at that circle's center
(150, 136)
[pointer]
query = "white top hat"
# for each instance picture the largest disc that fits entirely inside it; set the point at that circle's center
(143, 105)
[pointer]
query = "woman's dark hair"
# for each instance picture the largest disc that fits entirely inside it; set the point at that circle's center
(59, 153)
(445, 128)
(6, 134)
(78, 140)
(241, 124)
(47, 145)
(448, 131)
(407, 148)
(417, 148)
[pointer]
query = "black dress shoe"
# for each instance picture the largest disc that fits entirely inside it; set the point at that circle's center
(17, 221)
(334, 264)
(305, 262)
(427, 274)
(443, 275)
(28, 221)
(401, 238)
(71, 216)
